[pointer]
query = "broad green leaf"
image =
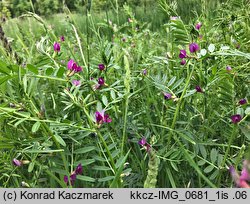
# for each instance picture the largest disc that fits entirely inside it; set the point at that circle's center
(213, 155)
(49, 71)
(208, 169)
(203, 151)
(105, 100)
(60, 72)
(31, 166)
(32, 68)
(201, 162)
(36, 126)
(3, 68)
(60, 140)
(247, 111)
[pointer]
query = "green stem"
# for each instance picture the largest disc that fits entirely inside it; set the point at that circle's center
(179, 105)
(231, 139)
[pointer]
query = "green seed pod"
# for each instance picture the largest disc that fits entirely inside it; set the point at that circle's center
(153, 166)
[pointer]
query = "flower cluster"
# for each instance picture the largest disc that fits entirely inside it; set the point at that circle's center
(101, 117)
(193, 47)
(72, 66)
(73, 175)
(241, 180)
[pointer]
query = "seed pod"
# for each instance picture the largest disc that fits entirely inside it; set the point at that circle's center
(153, 166)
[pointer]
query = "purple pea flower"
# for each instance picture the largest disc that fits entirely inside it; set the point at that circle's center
(144, 72)
(73, 175)
(199, 89)
(71, 64)
(62, 38)
(143, 143)
(241, 180)
(101, 67)
(228, 68)
(78, 69)
(76, 82)
(78, 169)
(101, 81)
(16, 162)
(198, 26)
(183, 54)
(66, 179)
(236, 118)
(57, 47)
(242, 101)
(101, 117)
(167, 96)
(183, 62)
(193, 47)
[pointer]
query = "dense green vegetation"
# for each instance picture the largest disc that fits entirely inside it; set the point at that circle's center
(172, 77)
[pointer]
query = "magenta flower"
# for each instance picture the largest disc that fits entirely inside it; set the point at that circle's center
(73, 175)
(198, 26)
(183, 54)
(194, 47)
(183, 62)
(66, 179)
(199, 89)
(228, 68)
(167, 96)
(72, 179)
(143, 143)
(76, 82)
(144, 72)
(101, 117)
(101, 81)
(78, 169)
(62, 38)
(242, 101)
(16, 162)
(236, 118)
(78, 69)
(241, 180)
(101, 67)
(73, 66)
(57, 47)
